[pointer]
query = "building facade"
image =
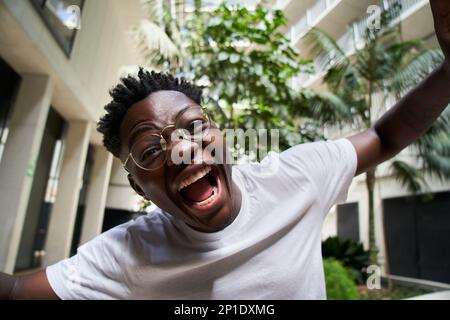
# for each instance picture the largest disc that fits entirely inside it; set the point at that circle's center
(54, 172)
(411, 233)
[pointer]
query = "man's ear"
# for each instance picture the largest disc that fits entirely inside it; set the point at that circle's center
(136, 187)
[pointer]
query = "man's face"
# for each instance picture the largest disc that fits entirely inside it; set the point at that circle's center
(202, 195)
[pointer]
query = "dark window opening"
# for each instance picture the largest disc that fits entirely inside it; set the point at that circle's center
(56, 16)
(9, 86)
(348, 221)
(82, 201)
(417, 236)
(115, 217)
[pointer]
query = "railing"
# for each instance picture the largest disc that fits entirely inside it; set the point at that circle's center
(317, 10)
(406, 4)
(311, 18)
(281, 4)
(299, 29)
(353, 38)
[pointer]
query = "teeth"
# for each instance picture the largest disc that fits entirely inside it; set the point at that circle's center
(210, 199)
(194, 177)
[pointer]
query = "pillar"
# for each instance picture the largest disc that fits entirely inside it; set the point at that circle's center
(26, 128)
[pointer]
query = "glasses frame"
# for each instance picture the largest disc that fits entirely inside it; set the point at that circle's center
(163, 141)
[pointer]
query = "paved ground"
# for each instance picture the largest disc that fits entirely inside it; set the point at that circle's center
(441, 295)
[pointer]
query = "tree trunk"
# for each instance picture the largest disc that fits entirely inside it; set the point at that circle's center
(370, 182)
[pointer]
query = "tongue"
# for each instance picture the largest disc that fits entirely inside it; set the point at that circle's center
(198, 191)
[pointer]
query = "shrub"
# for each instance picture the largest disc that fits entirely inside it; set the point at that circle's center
(339, 281)
(350, 253)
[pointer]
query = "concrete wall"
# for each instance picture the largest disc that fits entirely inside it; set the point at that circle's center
(120, 193)
(80, 85)
(101, 48)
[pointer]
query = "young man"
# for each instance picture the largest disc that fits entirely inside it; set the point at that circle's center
(221, 232)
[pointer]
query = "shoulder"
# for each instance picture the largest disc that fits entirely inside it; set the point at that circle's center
(153, 223)
(292, 161)
(121, 241)
(301, 166)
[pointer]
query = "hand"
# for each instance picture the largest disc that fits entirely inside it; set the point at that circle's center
(441, 14)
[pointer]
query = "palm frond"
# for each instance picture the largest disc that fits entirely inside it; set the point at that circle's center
(399, 50)
(437, 134)
(437, 165)
(415, 70)
(409, 177)
(321, 44)
(329, 108)
(154, 44)
(154, 11)
(434, 147)
(162, 11)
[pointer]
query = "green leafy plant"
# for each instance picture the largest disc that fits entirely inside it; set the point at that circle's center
(240, 57)
(245, 64)
(339, 282)
(350, 253)
(158, 37)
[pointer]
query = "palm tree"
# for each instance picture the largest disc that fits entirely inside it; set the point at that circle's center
(161, 38)
(388, 66)
(158, 37)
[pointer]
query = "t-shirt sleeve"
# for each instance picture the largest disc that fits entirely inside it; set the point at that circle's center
(92, 273)
(329, 165)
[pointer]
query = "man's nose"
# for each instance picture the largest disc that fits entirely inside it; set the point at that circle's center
(184, 152)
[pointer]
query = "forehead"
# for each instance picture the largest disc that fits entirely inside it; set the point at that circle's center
(159, 108)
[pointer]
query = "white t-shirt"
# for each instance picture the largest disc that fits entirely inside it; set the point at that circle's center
(272, 250)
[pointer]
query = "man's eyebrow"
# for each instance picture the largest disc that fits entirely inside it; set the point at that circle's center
(181, 112)
(138, 128)
(146, 126)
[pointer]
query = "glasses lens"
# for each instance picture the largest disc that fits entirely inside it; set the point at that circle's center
(193, 124)
(148, 152)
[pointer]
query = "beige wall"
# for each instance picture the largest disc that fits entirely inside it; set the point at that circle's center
(101, 48)
(120, 193)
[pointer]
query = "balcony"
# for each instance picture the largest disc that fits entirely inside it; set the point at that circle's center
(329, 15)
(352, 39)
(311, 18)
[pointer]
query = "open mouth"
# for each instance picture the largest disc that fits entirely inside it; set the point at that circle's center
(201, 189)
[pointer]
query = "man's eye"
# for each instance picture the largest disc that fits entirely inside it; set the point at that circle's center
(149, 152)
(196, 125)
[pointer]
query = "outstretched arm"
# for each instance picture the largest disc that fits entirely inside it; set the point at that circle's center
(411, 117)
(31, 286)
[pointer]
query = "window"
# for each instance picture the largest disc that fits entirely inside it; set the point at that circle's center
(348, 221)
(62, 20)
(9, 85)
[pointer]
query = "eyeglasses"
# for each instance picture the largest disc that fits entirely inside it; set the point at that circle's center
(150, 152)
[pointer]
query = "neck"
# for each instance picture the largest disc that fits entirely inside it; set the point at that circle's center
(236, 197)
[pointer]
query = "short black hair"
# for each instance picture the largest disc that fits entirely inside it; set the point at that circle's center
(131, 90)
